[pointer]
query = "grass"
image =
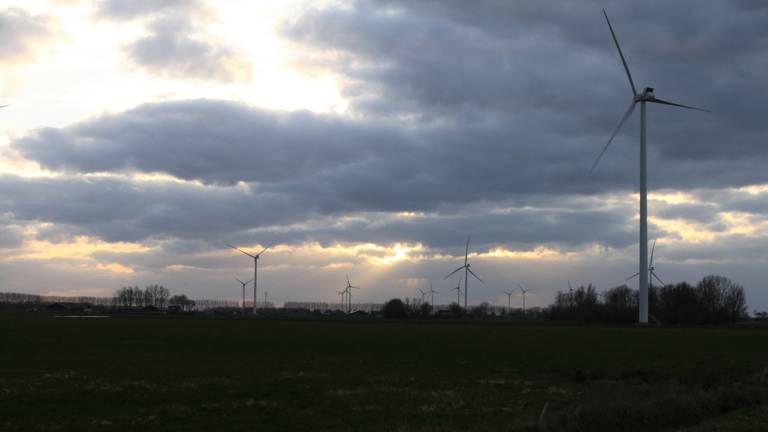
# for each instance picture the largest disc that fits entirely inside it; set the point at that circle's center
(199, 374)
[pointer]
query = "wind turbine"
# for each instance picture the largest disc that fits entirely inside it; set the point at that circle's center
(509, 300)
(646, 96)
(651, 269)
(255, 271)
(524, 291)
(467, 272)
(458, 293)
(341, 303)
(423, 293)
(242, 306)
(348, 289)
(432, 292)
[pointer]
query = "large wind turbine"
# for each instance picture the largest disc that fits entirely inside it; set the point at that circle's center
(641, 98)
(255, 271)
(242, 306)
(467, 272)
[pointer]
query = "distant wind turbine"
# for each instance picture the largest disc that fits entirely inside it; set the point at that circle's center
(641, 98)
(509, 300)
(651, 269)
(524, 291)
(255, 271)
(432, 292)
(458, 293)
(242, 305)
(341, 303)
(467, 272)
(423, 294)
(348, 289)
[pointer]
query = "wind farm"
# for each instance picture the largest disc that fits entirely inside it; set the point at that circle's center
(156, 152)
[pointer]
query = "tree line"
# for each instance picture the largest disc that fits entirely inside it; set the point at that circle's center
(153, 295)
(715, 299)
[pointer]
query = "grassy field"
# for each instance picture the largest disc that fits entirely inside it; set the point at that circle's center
(204, 374)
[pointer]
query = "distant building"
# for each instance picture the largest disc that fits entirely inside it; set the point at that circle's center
(70, 307)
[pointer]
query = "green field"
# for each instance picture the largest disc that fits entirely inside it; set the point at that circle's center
(205, 374)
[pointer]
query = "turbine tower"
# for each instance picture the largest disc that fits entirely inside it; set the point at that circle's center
(242, 306)
(524, 291)
(255, 271)
(467, 272)
(646, 96)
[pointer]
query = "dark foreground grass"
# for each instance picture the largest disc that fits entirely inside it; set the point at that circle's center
(195, 374)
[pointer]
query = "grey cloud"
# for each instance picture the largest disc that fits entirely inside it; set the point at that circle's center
(555, 64)
(10, 237)
(120, 210)
(212, 141)
(24, 35)
(130, 9)
(173, 49)
(703, 213)
(337, 164)
(190, 218)
(176, 44)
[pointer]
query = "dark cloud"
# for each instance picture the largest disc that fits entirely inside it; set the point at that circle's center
(119, 210)
(192, 217)
(24, 35)
(553, 66)
(213, 141)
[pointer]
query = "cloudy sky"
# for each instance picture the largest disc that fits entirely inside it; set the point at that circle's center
(369, 138)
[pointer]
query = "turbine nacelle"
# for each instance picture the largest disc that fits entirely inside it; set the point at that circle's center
(646, 95)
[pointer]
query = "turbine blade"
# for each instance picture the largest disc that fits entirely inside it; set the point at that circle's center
(473, 274)
(634, 276)
(466, 251)
(621, 54)
(265, 249)
(663, 102)
(616, 131)
(657, 278)
(650, 264)
(451, 273)
(238, 249)
(240, 281)
(3, 106)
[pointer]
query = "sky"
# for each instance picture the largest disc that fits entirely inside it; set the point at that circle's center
(369, 138)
